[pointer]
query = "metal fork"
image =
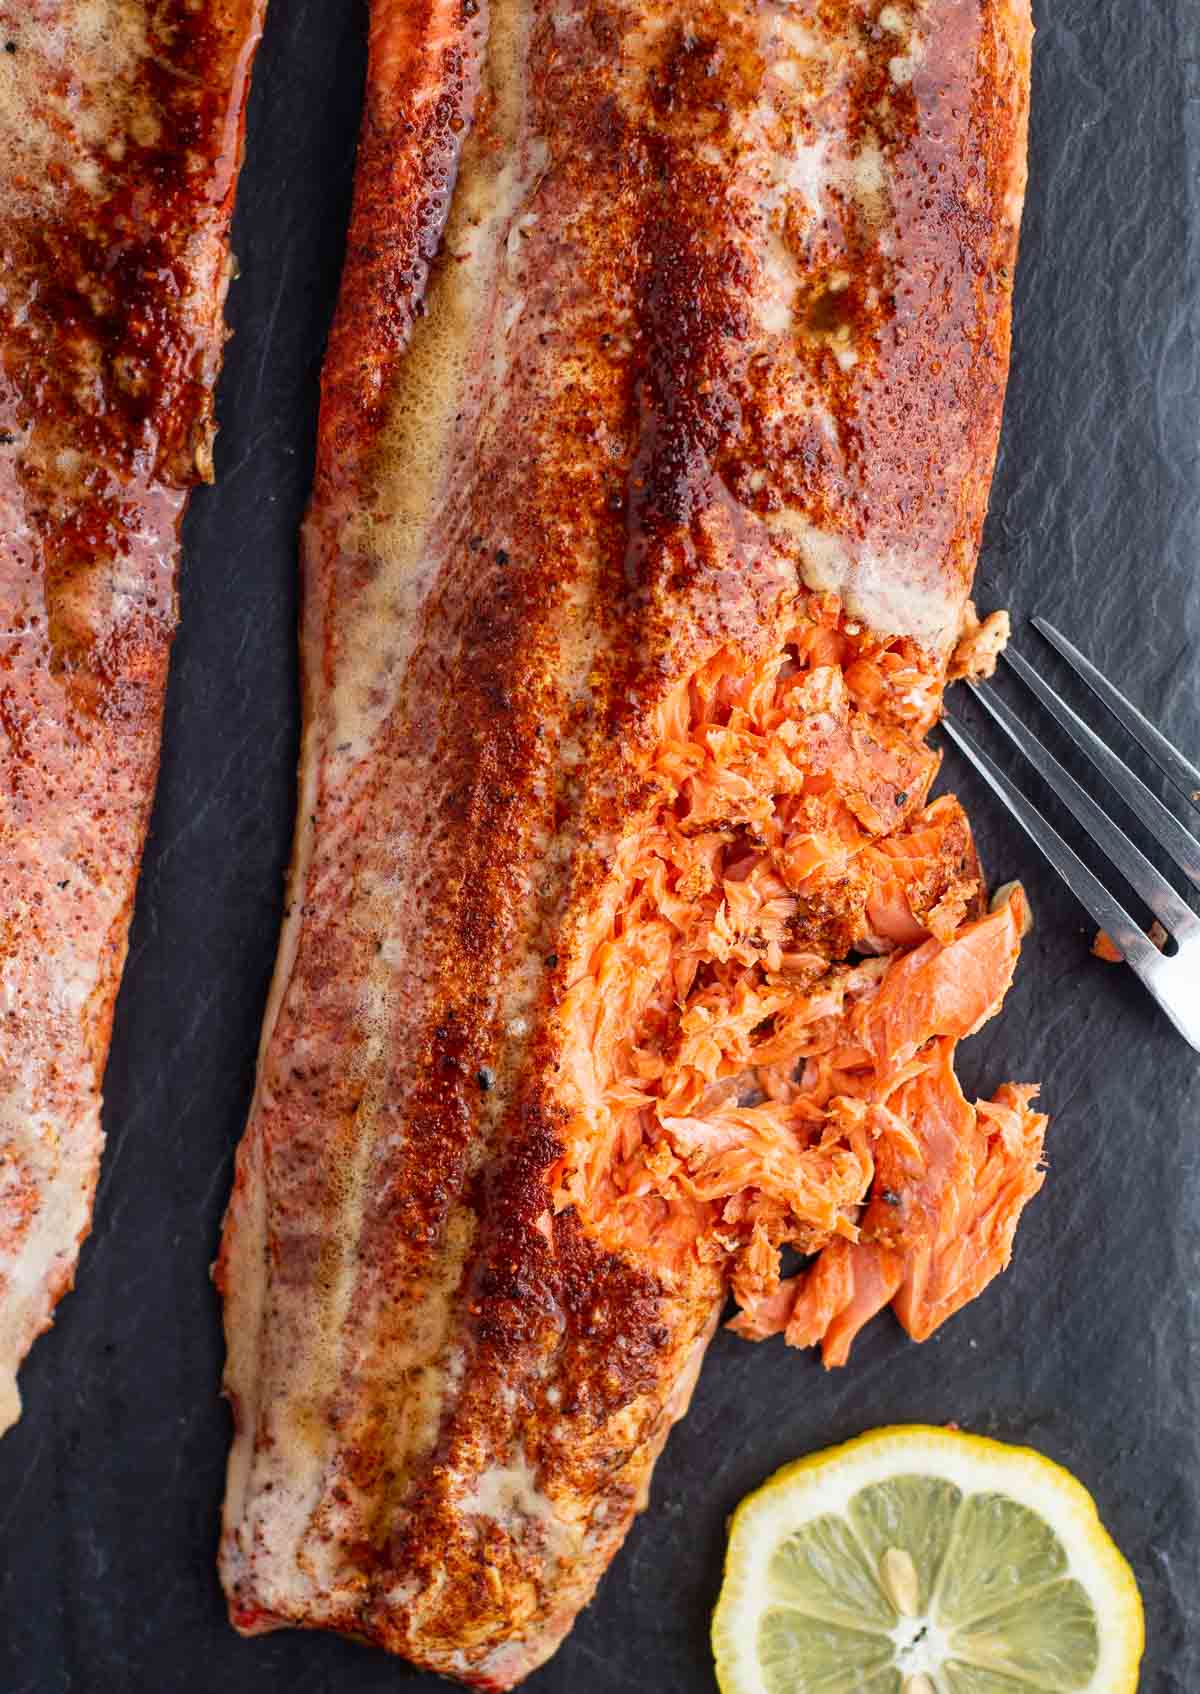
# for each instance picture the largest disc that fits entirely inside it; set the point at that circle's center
(1174, 980)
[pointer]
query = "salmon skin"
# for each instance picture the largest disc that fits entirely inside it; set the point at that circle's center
(120, 137)
(623, 945)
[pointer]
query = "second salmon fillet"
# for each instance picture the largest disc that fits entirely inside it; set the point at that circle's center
(624, 946)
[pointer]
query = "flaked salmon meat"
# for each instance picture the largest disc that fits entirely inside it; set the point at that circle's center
(626, 947)
(759, 1052)
(120, 141)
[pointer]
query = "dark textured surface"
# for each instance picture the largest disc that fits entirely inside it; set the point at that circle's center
(110, 1485)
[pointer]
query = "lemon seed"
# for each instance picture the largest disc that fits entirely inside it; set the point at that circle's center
(919, 1684)
(898, 1575)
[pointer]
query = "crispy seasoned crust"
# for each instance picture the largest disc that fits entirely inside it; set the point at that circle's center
(120, 135)
(650, 318)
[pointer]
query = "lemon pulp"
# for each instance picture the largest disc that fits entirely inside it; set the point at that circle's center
(925, 1561)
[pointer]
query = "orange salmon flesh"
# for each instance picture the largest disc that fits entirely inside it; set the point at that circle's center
(760, 1046)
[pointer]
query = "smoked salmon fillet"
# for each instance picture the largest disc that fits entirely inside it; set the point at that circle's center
(624, 946)
(120, 138)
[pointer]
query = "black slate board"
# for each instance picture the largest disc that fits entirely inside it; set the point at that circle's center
(110, 1485)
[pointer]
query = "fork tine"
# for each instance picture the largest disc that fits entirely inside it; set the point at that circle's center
(1135, 947)
(1132, 863)
(1181, 772)
(1162, 824)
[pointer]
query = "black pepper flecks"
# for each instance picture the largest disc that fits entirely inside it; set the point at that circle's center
(485, 1080)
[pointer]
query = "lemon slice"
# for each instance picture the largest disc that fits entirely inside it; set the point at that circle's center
(922, 1561)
